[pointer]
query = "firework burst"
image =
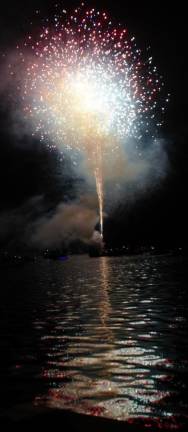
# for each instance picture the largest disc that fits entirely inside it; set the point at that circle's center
(87, 87)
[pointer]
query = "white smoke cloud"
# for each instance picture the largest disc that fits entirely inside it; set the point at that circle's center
(73, 221)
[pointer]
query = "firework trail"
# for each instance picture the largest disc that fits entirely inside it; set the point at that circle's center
(86, 87)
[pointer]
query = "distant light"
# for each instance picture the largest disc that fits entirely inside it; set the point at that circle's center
(63, 258)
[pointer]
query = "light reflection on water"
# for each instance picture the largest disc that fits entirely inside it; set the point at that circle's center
(109, 334)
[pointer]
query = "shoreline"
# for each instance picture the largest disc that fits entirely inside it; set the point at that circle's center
(26, 415)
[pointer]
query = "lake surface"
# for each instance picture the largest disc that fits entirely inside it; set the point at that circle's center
(102, 336)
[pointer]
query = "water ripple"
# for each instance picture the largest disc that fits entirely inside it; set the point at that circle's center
(109, 335)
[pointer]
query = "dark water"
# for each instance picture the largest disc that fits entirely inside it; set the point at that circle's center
(105, 336)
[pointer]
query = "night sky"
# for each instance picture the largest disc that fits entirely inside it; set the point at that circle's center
(27, 169)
